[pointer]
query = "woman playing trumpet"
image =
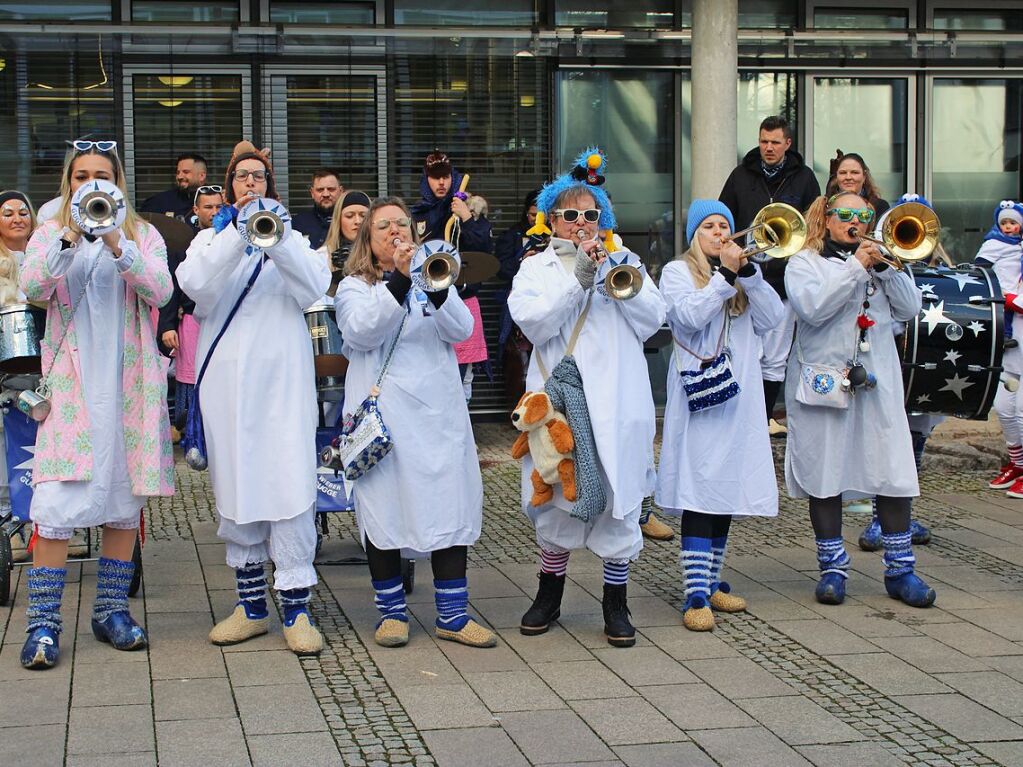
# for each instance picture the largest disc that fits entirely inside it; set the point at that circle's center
(718, 302)
(258, 402)
(848, 435)
(427, 493)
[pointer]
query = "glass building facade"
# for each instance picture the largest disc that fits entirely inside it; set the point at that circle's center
(928, 91)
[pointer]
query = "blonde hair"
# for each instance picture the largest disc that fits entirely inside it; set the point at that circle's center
(816, 218)
(9, 264)
(699, 268)
(361, 261)
(333, 240)
(132, 226)
(477, 206)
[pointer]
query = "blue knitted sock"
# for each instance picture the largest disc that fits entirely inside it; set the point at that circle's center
(717, 560)
(45, 590)
(113, 578)
(647, 510)
(452, 598)
(898, 554)
(696, 560)
(832, 557)
(390, 599)
(251, 584)
(294, 602)
(616, 572)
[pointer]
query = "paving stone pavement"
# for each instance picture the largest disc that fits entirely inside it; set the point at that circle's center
(788, 682)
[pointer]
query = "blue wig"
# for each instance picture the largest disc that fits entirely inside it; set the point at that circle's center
(585, 176)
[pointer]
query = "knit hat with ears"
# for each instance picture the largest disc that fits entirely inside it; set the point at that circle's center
(587, 174)
(246, 150)
(700, 209)
(1009, 209)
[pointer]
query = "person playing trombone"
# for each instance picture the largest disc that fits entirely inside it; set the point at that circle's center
(848, 435)
(718, 304)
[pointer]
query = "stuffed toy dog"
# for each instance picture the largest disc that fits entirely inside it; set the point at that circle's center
(547, 438)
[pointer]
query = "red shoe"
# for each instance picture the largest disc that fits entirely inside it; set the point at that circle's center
(1006, 477)
(1016, 491)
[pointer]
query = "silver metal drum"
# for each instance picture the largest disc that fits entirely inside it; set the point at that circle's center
(326, 339)
(22, 327)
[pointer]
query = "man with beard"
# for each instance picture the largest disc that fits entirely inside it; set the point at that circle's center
(189, 172)
(325, 190)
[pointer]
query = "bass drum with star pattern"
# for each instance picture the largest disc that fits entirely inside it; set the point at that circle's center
(952, 351)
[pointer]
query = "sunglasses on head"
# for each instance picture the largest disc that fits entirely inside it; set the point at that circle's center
(845, 215)
(571, 215)
(385, 223)
(81, 145)
(209, 189)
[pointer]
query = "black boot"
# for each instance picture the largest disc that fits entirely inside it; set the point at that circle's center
(617, 627)
(546, 607)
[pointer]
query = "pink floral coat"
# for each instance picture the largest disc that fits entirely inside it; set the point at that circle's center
(64, 441)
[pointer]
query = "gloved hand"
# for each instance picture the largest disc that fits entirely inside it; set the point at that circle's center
(585, 269)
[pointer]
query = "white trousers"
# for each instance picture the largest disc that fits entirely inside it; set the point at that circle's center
(775, 346)
(605, 536)
(290, 543)
(1008, 406)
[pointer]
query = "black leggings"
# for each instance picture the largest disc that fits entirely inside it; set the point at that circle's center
(826, 515)
(385, 564)
(696, 524)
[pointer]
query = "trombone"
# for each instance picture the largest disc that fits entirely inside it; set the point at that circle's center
(909, 232)
(778, 231)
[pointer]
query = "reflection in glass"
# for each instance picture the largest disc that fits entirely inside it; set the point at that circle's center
(458, 12)
(768, 14)
(975, 161)
(637, 13)
(172, 10)
(301, 12)
(762, 94)
(860, 18)
(995, 21)
(59, 10)
(881, 139)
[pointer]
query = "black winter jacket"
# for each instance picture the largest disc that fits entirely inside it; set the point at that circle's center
(747, 190)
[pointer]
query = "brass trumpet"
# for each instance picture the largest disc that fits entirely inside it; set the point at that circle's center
(779, 231)
(909, 232)
(98, 207)
(435, 266)
(264, 222)
(618, 275)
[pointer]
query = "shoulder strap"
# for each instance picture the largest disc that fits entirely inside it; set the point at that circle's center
(375, 391)
(230, 316)
(572, 339)
(722, 340)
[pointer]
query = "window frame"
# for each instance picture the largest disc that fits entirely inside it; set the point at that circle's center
(243, 12)
(379, 13)
(989, 5)
(910, 6)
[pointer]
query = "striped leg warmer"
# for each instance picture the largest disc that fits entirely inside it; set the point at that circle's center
(554, 562)
(294, 602)
(898, 554)
(696, 559)
(45, 591)
(113, 579)
(250, 581)
(616, 572)
(1016, 455)
(717, 561)
(647, 510)
(452, 598)
(832, 557)
(390, 599)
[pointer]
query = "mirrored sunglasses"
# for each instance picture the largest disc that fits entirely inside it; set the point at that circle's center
(865, 215)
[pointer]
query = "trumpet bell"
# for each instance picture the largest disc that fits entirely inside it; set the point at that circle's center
(779, 231)
(264, 222)
(910, 231)
(435, 266)
(98, 207)
(620, 276)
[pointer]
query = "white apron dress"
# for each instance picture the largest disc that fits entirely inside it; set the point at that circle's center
(545, 302)
(719, 460)
(427, 493)
(864, 450)
(258, 396)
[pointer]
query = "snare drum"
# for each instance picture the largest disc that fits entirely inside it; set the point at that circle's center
(952, 351)
(22, 327)
(326, 339)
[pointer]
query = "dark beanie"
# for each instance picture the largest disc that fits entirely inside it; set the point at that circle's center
(14, 195)
(354, 198)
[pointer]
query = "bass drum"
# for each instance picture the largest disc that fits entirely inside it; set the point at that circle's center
(952, 351)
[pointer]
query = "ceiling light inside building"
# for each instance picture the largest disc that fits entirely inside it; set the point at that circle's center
(175, 81)
(170, 103)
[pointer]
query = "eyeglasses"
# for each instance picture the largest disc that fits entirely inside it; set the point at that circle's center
(81, 145)
(258, 175)
(385, 223)
(571, 215)
(210, 189)
(845, 215)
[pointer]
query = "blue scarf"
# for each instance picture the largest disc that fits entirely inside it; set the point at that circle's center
(770, 171)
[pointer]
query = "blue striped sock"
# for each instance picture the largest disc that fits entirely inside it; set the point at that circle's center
(616, 572)
(294, 602)
(113, 578)
(717, 561)
(452, 598)
(898, 554)
(45, 591)
(647, 510)
(832, 557)
(696, 560)
(250, 581)
(390, 599)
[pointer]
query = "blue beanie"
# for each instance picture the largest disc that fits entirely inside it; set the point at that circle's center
(700, 209)
(913, 197)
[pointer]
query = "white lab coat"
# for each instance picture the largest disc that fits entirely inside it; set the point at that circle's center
(427, 493)
(258, 396)
(864, 450)
(545, 301)
(1005, 262)
(719, 460)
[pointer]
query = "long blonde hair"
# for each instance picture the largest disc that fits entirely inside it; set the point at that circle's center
(361, 261)
(816, 218)
(133, 225)
(9, 264)
(700, 269)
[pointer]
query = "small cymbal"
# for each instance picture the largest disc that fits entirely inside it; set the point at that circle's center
(177, 235)
(477, 267)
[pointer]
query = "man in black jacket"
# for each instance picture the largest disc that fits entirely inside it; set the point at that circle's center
(189, 172)
(325, 189)
(772, 172)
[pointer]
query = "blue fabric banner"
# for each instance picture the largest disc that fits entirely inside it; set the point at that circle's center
(332, 493)
(20, 439)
